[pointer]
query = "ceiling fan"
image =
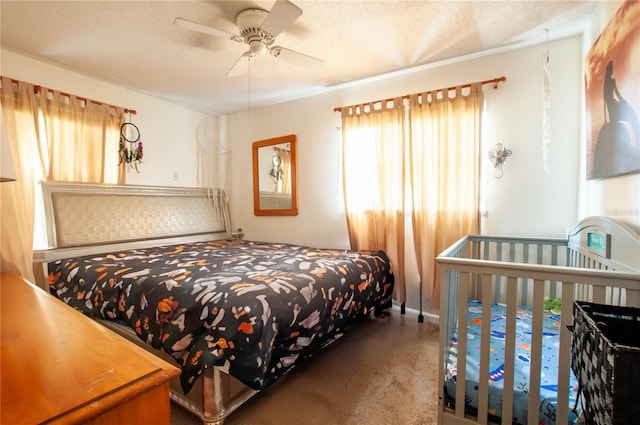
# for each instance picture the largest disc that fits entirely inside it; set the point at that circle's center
(258, 28)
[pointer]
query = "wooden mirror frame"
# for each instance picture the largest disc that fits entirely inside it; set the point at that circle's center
(257, 210)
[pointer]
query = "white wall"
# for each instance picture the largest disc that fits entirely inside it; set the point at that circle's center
(525, 201)
(320, 221)
(167, 130)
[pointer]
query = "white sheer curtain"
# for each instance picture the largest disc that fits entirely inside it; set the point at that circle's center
(444, 152)
(283, 185)
(81, 139)
(373, 181)
(214, 160)
(51, 136)
(20, 115)
(419, 161)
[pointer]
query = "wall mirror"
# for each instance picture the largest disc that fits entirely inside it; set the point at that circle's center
(275, 176)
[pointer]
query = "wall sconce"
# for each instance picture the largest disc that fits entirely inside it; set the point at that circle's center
(498, 155)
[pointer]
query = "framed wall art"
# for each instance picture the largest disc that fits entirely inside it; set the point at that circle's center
(612, 89)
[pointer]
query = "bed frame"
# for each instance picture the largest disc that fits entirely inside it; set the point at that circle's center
(598, 262)
(86, 219)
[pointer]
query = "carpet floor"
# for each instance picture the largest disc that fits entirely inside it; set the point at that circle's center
(381, 371)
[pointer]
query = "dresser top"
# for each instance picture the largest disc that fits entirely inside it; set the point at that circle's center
(56, 362)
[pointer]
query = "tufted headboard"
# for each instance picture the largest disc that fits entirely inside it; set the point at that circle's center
(85, 219)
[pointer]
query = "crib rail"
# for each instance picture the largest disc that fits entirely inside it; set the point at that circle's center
(519, 271)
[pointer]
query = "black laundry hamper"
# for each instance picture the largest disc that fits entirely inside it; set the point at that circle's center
(605, 357)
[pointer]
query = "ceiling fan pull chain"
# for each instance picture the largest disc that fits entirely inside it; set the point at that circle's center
(249, 86)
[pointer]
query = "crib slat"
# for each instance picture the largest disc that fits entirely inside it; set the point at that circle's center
(540, 254)
(536, 352)
(554, 260)
(599, 293)
(485, 345)
(498, 279)
(564, 354)
(554, 254)
(525, 281)
(509, 351)
(448, 296)
(461, 358)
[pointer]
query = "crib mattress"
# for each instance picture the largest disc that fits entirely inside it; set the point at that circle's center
(549, 366)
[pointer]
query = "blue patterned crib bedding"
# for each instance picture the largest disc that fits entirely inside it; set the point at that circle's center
(549, 366)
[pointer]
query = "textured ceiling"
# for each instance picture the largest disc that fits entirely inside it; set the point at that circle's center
(135, 44)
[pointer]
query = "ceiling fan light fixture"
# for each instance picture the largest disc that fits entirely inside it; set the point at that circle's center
(257, 47)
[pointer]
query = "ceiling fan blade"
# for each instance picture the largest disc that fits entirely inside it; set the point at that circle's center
(296, 58)
(282, 14)
(194, 26)
(241, 66)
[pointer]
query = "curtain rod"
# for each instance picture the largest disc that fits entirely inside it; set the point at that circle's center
(495, 83)
(37, 90)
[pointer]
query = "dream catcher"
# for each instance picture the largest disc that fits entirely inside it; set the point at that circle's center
(276, 170)
(130, 145)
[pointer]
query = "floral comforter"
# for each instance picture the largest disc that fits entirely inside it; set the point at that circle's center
(252, 308)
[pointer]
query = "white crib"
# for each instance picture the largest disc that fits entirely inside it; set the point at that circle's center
(598, 262)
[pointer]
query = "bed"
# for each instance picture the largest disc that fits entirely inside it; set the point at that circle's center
(515, 297)
(159, 266)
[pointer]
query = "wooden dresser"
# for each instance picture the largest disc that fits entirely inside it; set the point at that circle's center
(59, 366)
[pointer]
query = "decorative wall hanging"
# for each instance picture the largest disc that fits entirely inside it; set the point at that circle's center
(276, 170)
(130, 145)
(546, 105)
(498, 155)
(612, 84)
